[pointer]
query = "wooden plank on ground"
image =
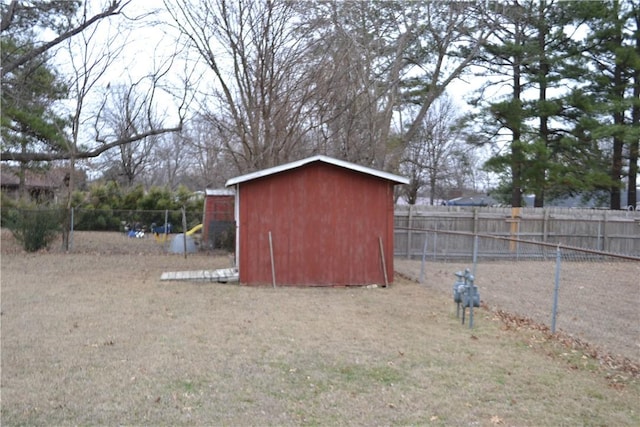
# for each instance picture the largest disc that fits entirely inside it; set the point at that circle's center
(222, 275)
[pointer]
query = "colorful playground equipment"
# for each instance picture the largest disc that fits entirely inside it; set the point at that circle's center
(180, 243)
(161, 232)
(185, 243)
(194, 230)
(161, 235)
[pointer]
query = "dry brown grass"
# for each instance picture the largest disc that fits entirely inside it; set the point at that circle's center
(95, 338)
(597, 303)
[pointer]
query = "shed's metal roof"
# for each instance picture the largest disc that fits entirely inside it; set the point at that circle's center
(219, 192)
(319, 158)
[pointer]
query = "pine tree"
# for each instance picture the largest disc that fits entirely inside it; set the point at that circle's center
(29, 93)
(614, 61)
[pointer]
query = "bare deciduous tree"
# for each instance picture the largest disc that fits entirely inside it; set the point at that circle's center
(358, 50)
(88, 67)
(211, 162)
(168, 162)
(380, 58)
(121, 116)
(324, 76)
(434, 159)
(259, 92)
(73, 28)
(89, 60)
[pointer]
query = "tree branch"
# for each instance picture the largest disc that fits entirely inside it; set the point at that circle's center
(7, 17)
(114, 8)
(44, 156)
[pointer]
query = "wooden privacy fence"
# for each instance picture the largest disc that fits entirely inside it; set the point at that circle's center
(602, 230)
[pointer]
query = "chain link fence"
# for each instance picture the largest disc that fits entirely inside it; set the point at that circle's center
(590, 295)
(152, 230)
(149, 221)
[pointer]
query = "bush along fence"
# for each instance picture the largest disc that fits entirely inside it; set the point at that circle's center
(33, 228)
(588, 294)
(138, 220)
(37, 227)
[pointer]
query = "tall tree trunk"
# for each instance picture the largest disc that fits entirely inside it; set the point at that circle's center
(634, 146)
(540, 180)
(69, 182)
(433, 182)
(517, 156)
(22, 177)
(618, 141)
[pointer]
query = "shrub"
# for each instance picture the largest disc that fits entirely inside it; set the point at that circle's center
(96, 220)
(7, 204)
(34, 228)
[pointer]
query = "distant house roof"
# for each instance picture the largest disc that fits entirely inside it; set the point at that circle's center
(319, 158)
(32, 180)
(475, 200)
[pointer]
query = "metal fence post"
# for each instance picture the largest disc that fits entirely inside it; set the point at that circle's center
(166, 226)
(472, 298)
(184, 230)
(409, 232)
(555, 290)
(475, 254)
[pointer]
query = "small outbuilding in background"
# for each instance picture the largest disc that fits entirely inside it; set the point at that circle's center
(318, 221)
(218, 224)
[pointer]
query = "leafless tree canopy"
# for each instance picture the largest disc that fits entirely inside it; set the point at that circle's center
(438, 160)
(88, 65)
(259, 91)
(273, 81)
(294, 78)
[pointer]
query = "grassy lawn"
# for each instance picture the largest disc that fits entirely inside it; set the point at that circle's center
(95, 339)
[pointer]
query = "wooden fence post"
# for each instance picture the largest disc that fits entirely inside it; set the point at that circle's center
(605, 239)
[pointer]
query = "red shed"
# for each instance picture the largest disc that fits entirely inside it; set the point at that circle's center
(315, 222)
(218, 220)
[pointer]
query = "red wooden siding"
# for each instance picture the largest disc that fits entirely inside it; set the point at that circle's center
(217, 209)
(325, 222)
